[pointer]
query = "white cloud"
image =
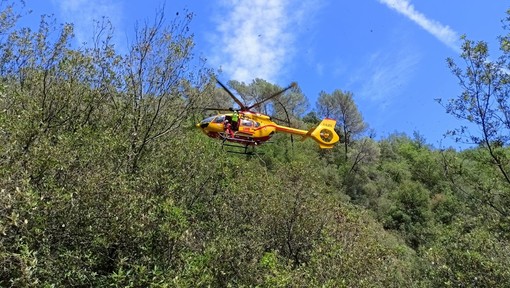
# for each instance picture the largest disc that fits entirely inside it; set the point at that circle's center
(443, 33)
(253, 38)
(385, 74)
(83, 13)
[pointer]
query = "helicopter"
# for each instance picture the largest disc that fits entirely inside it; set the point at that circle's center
(254, 128)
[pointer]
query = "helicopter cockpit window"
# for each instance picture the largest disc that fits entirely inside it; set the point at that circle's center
(207, 120)
(219, 119)
(246, 123)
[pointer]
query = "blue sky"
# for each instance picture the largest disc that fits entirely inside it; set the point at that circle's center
(391, 54)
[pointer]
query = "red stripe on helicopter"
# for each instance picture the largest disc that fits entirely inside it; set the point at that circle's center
(281, 128)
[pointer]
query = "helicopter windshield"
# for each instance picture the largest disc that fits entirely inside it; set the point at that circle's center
(219, 119)
(207, 120)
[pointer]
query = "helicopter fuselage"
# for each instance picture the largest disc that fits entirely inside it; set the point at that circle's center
(251, 129)
(254, 129)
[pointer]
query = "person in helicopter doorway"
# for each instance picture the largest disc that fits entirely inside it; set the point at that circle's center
(228, 129)
(235, 120)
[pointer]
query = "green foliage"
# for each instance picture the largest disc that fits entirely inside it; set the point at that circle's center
(468, 256)
(102, 183)
(483, 106)
(409, 212)
(356, 252)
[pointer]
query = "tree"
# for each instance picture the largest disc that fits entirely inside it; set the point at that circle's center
(340, 106)
(485, 107)
(254, 92)
(409, 212)
(288, 105)
(156, 72)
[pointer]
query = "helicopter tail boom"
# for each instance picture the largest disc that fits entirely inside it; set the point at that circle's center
(324, 133)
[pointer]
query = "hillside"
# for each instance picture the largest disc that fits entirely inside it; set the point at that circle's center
(105, 181)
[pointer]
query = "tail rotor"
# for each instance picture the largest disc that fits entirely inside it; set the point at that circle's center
(324, 134)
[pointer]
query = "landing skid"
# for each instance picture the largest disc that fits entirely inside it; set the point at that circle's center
(245, 149)
(243, 144)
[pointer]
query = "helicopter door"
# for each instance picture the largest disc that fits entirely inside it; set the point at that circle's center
(246, 126)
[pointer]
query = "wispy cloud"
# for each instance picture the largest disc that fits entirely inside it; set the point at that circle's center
(387, 73)
(83, 13)
(254, 39)
(442, 32)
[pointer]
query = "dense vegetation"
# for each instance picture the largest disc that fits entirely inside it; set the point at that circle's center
(105, 182)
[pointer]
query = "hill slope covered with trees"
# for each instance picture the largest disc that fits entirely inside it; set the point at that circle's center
(104, 181)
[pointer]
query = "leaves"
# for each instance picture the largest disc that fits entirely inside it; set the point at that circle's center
(102, 183)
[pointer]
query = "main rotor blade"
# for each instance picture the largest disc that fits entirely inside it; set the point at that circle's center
(214, 109)
(232, 95)
(293, 84)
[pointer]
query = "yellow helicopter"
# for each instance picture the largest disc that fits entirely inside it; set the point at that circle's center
(253, 128)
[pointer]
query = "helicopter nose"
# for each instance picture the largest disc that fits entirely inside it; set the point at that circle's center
(202, 125)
